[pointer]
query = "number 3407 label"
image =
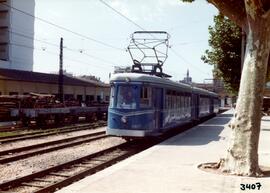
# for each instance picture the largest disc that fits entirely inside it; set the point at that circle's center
(256, 186)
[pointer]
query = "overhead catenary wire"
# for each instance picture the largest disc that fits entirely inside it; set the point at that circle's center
(125, 17)
(89, 38)
(57, 54)
(63, 28)
(134, 23)
(122, 15)
(29, 37)
(66, 48)
(186, 61)
(39, 38)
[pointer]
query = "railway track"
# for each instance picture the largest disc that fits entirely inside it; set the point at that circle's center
(49, 132)
(25, 131)
(55, 177)
(37, 149)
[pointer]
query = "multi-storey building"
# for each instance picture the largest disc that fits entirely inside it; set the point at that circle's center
(16, 34)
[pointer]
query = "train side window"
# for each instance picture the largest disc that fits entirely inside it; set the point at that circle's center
(167, 102)
(182, 101)
(145, 99)
(178, 102)
(171, 101)
(112, 97)
(187, 101)
(168, 99)
(174, 100)
(145, 93)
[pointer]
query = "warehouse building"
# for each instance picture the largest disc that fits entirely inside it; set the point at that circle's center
(18, 82)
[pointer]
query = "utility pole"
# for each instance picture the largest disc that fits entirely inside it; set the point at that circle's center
(60, 76)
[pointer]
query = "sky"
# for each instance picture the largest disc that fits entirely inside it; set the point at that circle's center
(98, 37)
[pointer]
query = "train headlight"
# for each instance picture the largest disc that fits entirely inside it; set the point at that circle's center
(124, 119)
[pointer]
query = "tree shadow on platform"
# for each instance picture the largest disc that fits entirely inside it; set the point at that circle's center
(221, 121)
(225, 115)
(202, 134)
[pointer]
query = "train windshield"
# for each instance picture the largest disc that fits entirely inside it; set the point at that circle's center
(126, 97)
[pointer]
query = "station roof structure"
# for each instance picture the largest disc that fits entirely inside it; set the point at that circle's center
(29, 76)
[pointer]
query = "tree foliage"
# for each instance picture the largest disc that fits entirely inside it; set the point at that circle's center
(225, 55)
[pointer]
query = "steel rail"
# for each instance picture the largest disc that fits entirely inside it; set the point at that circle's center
(18, 181)
(86, 172)
(25, 148)
(49, 133)
(50, 149)
(37, 132)
(69, 179)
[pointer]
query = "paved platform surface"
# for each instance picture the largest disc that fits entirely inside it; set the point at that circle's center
(171, 167)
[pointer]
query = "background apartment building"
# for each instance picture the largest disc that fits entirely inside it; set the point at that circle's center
(16, 34)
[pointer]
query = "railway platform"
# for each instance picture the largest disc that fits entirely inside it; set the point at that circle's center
(171, 166)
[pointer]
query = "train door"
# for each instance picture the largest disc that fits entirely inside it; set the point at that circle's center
(158, 105)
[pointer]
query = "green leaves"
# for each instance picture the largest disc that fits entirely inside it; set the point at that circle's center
(225, 53)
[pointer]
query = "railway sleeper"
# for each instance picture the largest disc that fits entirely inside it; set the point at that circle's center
(81, 166)
(31, 185)
(43, 180)
(82, 174)
(53, 171)
(60, 175)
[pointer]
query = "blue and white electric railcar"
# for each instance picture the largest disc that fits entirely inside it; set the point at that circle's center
(145, 105)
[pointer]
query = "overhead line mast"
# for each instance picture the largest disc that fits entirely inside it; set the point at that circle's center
(61, 77)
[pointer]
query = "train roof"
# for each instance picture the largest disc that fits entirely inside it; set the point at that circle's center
(203, 91)
(157, 80)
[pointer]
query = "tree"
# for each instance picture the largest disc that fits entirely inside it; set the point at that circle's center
(91, 77)
(253, 16)
(225, 53)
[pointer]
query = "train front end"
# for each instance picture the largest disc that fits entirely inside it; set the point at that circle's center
(129, 115)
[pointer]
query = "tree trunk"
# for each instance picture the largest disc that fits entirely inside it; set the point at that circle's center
(242, 154)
